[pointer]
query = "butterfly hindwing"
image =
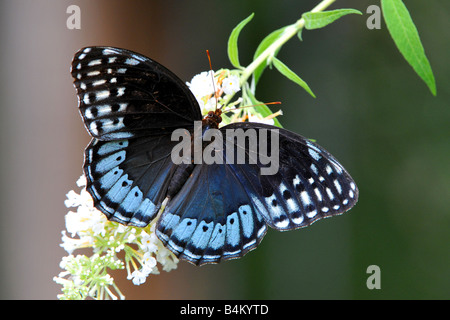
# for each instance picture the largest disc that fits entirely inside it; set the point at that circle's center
(223, 209)
(310, 184)
(211, 218)
(128, 179)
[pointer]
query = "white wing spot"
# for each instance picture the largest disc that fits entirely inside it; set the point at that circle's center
(120, 92)
(318, 194)
(131, 61)
(312, 214)
(305, 198)
(314, 169)
(298, 220)
(330, 194)
(108, 51)
(94, 62)
(93, 73)
(338, 186)
(98, 82)
(102, 95)
(314, 154)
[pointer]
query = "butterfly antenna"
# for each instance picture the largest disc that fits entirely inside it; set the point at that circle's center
(212, 77)
(252, 105)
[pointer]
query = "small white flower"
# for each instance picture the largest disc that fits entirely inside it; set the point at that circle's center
(70, 244)
(202, 84)
(81, 182)
(73, 199)
(230, 84)
(120, 247)
(149, 242)
(210, 105)
(149, 262)
(259, 119)
(138, 277)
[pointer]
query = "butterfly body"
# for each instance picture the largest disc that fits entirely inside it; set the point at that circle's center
(130, 105)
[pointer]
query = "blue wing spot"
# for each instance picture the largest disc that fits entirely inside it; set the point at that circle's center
(112, 147)
(217, 238)
(233, 234)
(110, 178)
(248, 225)
(110, 162)
(199, 240)
(182, 233)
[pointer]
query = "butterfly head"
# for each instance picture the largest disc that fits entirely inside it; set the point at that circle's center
(212, 119)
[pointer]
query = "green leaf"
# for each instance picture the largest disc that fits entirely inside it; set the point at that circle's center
(233, 54)
(316, 20)
(284, 70)
(406, 38)
(299, 34)
(262, 109)
(265, 43)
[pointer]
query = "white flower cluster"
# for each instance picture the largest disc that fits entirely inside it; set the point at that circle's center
(211, 90)
(89, 228)
(207, 86)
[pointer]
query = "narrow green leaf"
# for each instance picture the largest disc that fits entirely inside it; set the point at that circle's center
(233, 54)
(284, 70)
(265, 43)
(316, 20)
(406, 38)
(299, 34)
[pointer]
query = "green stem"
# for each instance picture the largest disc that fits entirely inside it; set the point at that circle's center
(290, 31)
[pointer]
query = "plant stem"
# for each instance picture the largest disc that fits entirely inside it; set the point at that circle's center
(289, 32)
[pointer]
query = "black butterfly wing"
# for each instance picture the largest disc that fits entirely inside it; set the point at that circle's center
(123, 94)
(310, 183)
(128, 179)
(130, 104)
(222, 211)
(211, 219)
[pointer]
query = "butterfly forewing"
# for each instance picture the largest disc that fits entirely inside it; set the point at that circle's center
(123, 94)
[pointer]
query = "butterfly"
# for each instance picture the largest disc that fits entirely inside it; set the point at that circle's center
(130, 106)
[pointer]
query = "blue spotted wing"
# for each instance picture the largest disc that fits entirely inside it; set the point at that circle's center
(130, 105)
(222, 211)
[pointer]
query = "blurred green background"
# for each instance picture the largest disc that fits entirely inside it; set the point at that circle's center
(372, 112)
